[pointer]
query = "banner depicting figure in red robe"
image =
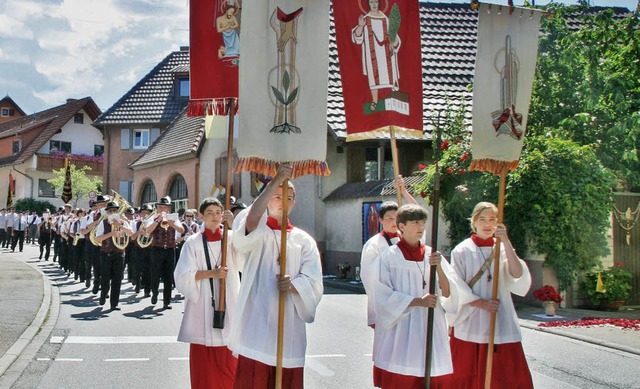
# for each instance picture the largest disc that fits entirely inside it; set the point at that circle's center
(11, 192)
(283, 87)
(502, 84)
(214, 35)
(380, 66)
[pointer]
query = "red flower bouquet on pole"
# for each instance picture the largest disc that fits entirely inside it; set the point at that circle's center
(550, 299)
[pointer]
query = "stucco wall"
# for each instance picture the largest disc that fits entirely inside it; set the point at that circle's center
(83, 136)
(162, 177)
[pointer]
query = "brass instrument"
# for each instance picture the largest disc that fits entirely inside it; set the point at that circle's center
(120, 239)
(77, 237)
(145, 239)
(168, 216)
(124, 205)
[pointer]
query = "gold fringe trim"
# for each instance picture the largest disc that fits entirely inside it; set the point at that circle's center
(269, 168)
(492, 165)
(384, 132)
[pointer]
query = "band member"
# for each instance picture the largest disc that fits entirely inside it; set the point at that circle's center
(111, 257)
(19, 231)
(190, 228)
(197, 277)
(3, 227)
(63, 231)
(57, 241)
(9, 218)
(92, 252)
(165, 232)
(470, 338)
(254, 327)
(76, 246)
(129, 260)
(46, 231)
(142, 255)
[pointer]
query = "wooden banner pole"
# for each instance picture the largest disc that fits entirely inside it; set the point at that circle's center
(283, 269)
(396, 166)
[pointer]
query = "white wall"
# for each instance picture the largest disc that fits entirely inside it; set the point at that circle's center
(83, 137)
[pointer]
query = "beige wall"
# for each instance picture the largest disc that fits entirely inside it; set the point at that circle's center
(163, 175)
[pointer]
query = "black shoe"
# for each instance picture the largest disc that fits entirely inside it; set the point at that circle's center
(103, 299)
(167, 306)
(146, 295)
(137, 289)
(154, 299)
(87, 283)
(116, 308)
(95, 289)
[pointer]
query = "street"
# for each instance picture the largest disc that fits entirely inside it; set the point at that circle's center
(91, 347)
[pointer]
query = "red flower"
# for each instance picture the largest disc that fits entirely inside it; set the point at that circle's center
(449, 170)
(423, 194)
(458, 140)
(464, 157)
(422, 166)
(547, 293)
(444, 145)
(460, 171)
(619, 264)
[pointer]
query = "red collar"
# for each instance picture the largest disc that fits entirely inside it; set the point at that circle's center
(274, 225)
(482, 242)
(412, 253)
(390, 235)
(213, 236)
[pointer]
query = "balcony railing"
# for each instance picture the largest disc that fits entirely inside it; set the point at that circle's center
(47, 163)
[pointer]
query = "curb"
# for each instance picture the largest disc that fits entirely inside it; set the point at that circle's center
(527, 324)
(18, 347)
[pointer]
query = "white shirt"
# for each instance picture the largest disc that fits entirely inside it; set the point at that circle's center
(369, 269)
(19, 221)
(400, 330)
(254, 329)
(472, 323)
(197, 322)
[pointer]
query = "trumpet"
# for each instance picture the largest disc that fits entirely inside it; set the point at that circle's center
(145, 239)
(168, 216)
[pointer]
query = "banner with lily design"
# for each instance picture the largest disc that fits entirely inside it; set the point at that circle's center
(283, 86)
(504, 71)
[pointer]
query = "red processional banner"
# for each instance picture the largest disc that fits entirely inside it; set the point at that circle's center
(214, 35)
(380, 66)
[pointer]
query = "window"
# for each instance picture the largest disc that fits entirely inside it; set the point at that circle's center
(149, 193)
(178, 190)
(140, 139)
(59, 146)
(15, 147)
(78, 118)
(7, 112)
(182, 87)
(45, 189)
(371, 165)
(221, 175)
(98, 150)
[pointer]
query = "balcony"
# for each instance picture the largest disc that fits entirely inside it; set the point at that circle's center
(47, 163)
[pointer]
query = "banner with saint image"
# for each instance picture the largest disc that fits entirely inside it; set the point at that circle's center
(380, 66)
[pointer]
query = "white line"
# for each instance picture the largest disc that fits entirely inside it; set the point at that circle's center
(126, 360)
(178, 358)
(43, 359)
(68, 359)
(327, 356)
(117, 339)
(56, 339)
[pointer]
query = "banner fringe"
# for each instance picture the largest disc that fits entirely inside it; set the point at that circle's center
(269, 168)
(492, 165)
(217, 107)
(384, 132)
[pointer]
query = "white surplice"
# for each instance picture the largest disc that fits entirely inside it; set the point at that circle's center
(254, 329)
(369, 269)
(472, 323)
(197, 322)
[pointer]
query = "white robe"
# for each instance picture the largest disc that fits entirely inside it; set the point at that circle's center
(401, 330)
(197, 322)
(387, 78)
(472, 323)
(254, 329)
(369, 269)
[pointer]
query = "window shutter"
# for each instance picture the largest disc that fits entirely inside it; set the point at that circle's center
(124, 190)
(154, 134)
(125, 139)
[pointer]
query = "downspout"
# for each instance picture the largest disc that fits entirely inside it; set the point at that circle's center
(27, 176)
(107, 160)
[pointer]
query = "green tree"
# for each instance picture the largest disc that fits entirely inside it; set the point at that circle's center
(34, 205)
(81, 184)
(587, 86)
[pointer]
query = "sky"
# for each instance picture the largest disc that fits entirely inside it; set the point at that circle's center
(51, 50)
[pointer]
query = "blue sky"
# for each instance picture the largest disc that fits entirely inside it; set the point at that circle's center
(52, 50)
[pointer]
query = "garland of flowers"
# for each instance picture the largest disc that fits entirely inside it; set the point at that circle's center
(627, 324)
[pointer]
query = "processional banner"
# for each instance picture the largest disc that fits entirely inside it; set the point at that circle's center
(283, 86)
(214, 55)
(380, 66)
(504, 71)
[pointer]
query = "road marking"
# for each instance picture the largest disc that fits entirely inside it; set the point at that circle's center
(126, 360)
(113, 339)
(319, 367)
(43, 359)
(178, 358)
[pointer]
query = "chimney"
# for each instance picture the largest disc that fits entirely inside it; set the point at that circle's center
(184, 48)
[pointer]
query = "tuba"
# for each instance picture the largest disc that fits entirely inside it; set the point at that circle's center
(145, 239)
(123, 207)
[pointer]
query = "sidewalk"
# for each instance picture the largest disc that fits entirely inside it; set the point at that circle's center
(530, 317)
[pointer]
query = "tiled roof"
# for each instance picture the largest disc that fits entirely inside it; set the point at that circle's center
(357, 190)
(151, 100)
(9, 100)
(49, 121)
(181, 140)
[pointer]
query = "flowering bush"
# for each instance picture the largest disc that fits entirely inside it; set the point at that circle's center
(82, 157)
(547, 293)
(616, 284)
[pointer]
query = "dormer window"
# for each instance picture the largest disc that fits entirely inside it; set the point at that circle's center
(7, 112)
(15, 147)
(182, 87)
(78, 118)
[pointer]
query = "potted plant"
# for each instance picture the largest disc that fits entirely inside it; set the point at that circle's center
(607, 289)
(343, 269)
(550, 299)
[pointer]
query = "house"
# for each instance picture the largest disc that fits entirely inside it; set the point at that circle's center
(9, 110)
(32, 146)
(134, 122)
